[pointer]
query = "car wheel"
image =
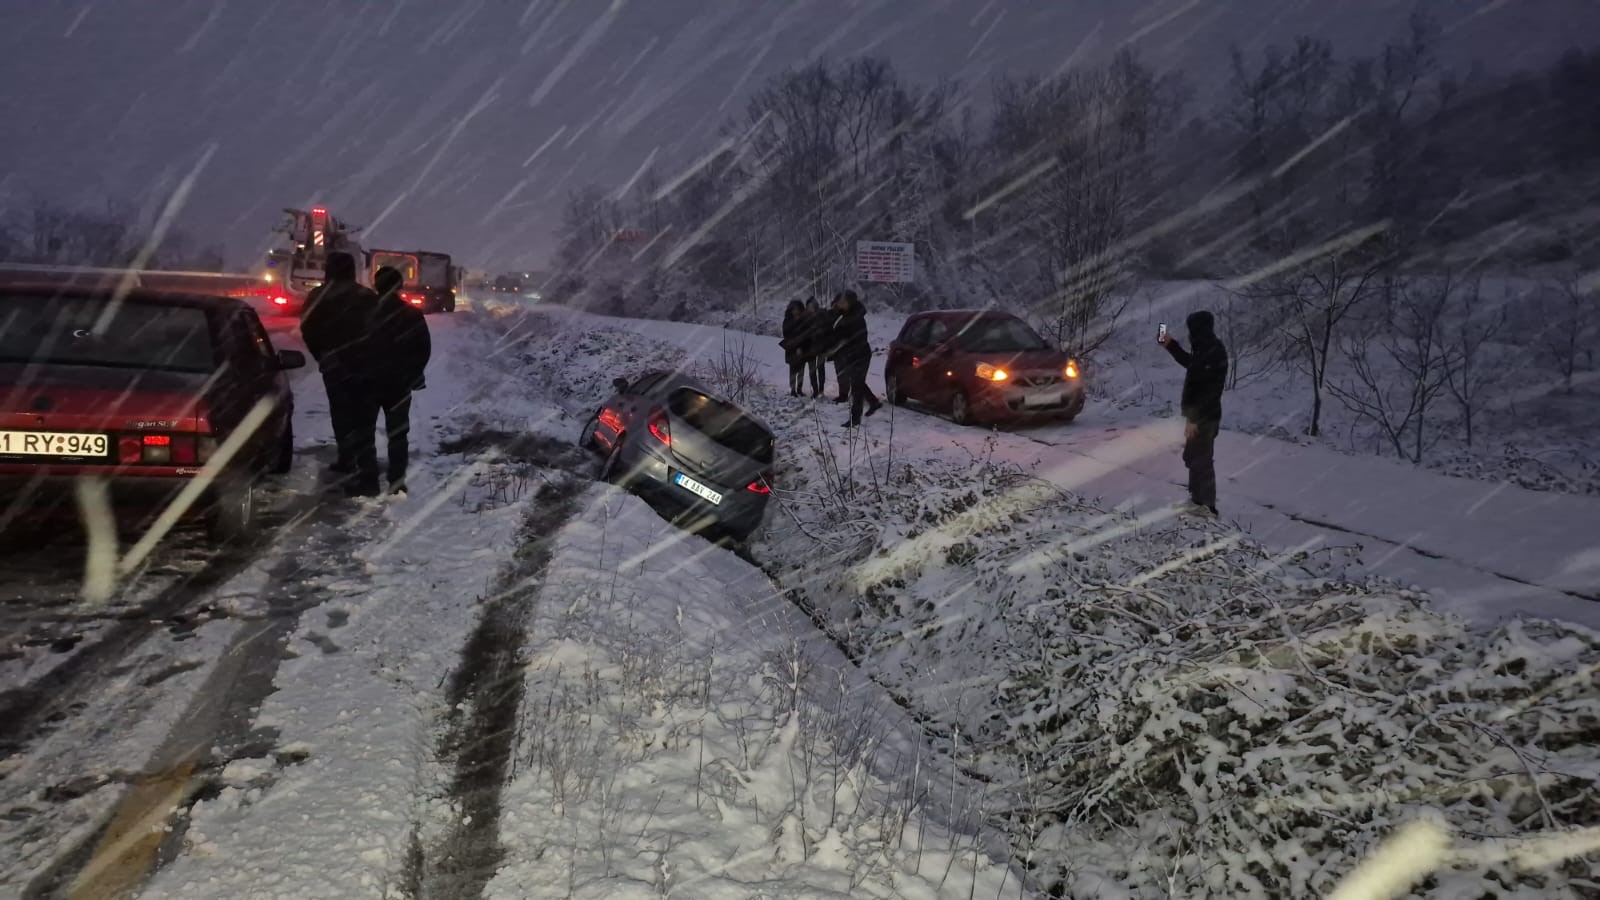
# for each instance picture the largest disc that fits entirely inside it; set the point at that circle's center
(233, 511)
(611, 471)
(891, 389)
(284, 461)
(586, 439)
(960, 408)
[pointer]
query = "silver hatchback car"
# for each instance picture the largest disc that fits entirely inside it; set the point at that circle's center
(667, 437)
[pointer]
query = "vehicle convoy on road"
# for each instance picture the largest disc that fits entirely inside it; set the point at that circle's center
(668, 438)
(981, 366)
(430, 278)
(139, 391)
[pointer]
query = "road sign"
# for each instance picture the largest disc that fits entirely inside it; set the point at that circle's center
(881, 261)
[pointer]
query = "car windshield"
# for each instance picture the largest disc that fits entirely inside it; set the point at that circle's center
(77, 331)
(999, 335)
(722, 422)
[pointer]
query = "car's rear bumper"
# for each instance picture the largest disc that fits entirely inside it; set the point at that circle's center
(53, 495)
(741, 509)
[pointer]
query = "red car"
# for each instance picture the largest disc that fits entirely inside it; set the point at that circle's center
(140, 392)
(983, 366)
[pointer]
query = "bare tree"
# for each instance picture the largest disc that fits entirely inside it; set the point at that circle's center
(1566, 324)
(1470, 376)
(1400, 365)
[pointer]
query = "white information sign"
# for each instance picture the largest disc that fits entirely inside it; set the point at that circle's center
(886, 262)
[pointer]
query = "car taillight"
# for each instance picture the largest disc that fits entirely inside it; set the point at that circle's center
(1072, 368)
(659, 427)
(762, 485)
(281, 301)
(991, 373)
(130, 451)
(184, 452)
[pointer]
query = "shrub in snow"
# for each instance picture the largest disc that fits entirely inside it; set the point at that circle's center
(1167, 708)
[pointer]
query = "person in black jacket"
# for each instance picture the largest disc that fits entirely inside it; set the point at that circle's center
(334, 323)
(816, 346)
(401, 346)
(853, 354)
(794, 346)
(1207, 376)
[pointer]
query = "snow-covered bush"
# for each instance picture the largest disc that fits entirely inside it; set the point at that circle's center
(1167, 709)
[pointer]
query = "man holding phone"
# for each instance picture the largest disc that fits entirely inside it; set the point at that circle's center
(1207, 376)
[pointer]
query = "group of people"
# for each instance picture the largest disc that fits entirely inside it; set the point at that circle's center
(813, 336)
(372, 348)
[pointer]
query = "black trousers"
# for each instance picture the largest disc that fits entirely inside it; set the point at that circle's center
(797, 377)
(840, 376)
(353, 406)
(860, 394)
(819, 374)
(396, 406)
(1199, 454)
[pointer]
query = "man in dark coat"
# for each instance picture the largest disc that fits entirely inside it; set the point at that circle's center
(853, 354)
(401, 346)
(1207, 376)
(794, 345)
(334, 322)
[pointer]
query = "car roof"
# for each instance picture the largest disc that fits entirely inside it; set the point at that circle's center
(952, 315)
(677, 378)
(107, 293)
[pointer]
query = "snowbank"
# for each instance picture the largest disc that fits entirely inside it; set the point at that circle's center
(684, 732)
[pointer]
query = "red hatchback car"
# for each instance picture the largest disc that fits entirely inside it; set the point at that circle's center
(983, 366)
(139, 392)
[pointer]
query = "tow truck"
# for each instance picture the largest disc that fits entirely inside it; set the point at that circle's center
(430, 278)
(296, 266)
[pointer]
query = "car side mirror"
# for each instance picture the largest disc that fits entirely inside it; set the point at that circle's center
(291, 359)
(621, 384)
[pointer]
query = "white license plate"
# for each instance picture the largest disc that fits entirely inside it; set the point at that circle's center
(53, 443)
(1041, 398)
(696, 488)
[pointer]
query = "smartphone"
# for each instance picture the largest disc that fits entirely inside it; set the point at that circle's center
(1161, 333)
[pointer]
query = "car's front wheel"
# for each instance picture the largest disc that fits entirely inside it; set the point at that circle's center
(892, 389)
(960, 408)
(233, 510)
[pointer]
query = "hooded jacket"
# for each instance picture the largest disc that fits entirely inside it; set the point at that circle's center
(851, 347)
(1207, 365)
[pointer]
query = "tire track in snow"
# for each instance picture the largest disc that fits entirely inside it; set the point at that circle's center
(483, 698)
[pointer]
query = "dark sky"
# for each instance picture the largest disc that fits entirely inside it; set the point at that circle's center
(459, 125)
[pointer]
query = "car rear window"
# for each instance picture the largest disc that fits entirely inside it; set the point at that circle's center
(722, 422)
(993, 334)
(89, 332)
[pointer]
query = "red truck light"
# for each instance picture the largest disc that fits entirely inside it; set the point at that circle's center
(280, 301)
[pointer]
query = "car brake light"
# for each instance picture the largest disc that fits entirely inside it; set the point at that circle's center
(157, 440)
(761, 485)
(281, 301)
(991, 373)
(157, 448)
(1072, 368)
(659, 427)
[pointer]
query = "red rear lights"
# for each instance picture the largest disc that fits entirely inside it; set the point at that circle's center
(280, 301)
(659, 427)
(762, 485)
(157, 440)
(163, 449)
(130, 451)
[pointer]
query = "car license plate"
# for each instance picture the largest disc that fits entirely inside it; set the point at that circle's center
(53, 443)
(1042, 398)
(696, 488)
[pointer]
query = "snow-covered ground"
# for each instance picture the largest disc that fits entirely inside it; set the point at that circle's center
(1158, 703)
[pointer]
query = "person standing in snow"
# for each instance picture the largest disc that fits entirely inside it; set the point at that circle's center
(794, 346)
(401, 346)
(1207, 375)
(334, 323)
(853, 354)
(816, 349)
(827, 330)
